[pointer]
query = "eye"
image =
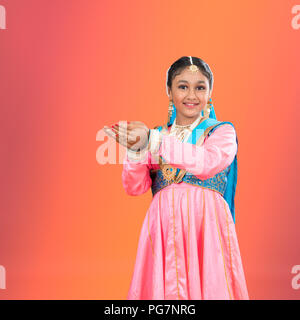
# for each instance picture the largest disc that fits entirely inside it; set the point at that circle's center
(183, 86)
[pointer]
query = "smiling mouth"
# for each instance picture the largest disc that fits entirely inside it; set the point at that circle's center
(191, 104)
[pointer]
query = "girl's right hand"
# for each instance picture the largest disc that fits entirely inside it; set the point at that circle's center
(133, 135)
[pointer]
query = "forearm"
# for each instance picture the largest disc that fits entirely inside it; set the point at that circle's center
(214, 155)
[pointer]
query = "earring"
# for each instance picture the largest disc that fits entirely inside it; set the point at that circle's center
(170, 111)
(207, 108)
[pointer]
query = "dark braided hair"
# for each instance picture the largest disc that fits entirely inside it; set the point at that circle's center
(179, 65)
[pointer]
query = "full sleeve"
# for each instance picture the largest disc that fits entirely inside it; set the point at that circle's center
(214, 155)
(136, 173)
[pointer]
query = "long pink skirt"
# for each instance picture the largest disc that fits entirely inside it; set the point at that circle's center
(188, 248)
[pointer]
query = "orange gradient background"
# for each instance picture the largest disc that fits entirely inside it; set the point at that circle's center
(67, 68)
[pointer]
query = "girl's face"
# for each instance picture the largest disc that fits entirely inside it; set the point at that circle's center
(190, 93)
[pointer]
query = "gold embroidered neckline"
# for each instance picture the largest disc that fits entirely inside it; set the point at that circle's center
(181, 131)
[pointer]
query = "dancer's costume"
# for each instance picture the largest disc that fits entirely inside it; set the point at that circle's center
(188, 247)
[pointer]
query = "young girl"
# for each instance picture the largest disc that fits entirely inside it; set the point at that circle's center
(188, 248)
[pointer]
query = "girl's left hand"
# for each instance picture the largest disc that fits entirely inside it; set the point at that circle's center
(133, 135)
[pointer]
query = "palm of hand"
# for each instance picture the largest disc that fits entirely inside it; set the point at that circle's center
(133, 136)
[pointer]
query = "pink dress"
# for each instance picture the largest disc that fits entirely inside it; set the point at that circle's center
(188, 247)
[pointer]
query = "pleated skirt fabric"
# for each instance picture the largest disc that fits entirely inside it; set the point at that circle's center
(188, 248)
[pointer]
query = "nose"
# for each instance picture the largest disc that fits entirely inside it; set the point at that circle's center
(191, 94)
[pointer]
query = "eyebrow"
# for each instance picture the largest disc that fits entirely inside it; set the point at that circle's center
(200, 81)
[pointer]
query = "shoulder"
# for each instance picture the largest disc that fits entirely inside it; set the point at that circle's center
(223, 127)
(224, 131)
(159, 127)
(162, 128)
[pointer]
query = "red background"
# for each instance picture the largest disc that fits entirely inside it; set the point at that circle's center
(67, 68)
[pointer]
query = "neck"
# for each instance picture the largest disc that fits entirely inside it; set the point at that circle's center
(186, 121)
